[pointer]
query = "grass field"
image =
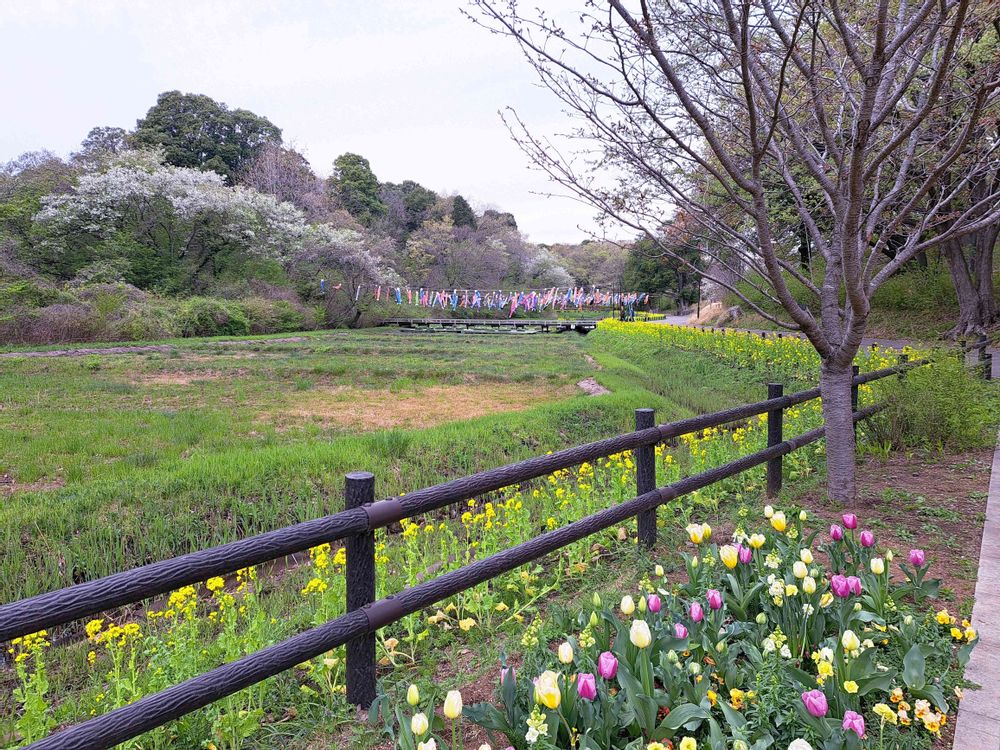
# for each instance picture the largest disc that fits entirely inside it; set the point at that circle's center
(151, 455)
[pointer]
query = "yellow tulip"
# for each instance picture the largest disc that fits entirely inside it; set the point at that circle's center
(453, 704)
(706, 531)
(878, 566)
(778, 522)
(695, 533)
(799, 569)
(850, 641)
(729, 555)
(547, 689)
(809, 585)
(565, 652)
(639, 634)
(413, 695)
(627, 606)
(419, 724)
(757, 541)
(806, 556)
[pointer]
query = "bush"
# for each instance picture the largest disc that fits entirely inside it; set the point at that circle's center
(207, 316)
(923, 290)
(277, 315)
(941, 405)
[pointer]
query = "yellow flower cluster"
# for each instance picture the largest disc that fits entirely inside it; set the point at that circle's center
(25, 647)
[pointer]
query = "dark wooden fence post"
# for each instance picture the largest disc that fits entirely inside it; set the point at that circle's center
(359, 489)
(903, 359)
(645, 478)
(774, 437)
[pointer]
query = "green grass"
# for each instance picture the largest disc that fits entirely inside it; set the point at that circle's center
(153, 469)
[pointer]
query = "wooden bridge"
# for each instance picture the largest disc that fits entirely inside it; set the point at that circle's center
(471, 325)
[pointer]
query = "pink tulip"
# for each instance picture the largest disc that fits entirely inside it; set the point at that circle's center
(586, 686)
(850, 520)
(714, 599)
(840, 587)
(855, 585)
(680, 631)
(504, 671)
(854, 722)
(607, 665)
(917, 557)
(654, 604)
(836, 533)
(867, 539)
(697, 613)
(815, 703)
(746, 554)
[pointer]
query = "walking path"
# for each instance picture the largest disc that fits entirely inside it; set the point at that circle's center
(978, 726)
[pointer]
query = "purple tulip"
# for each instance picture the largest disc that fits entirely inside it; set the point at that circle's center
(840, 587)
(653, 603)
(714, 599)
(850, 521)
(504, 671)
(854, 722)
(697, 613)
(917, 557)
(680, 631)
(815, 703)
(586, 685)
(836, 533)
(867, 539)
(855, 585)
(607, 665)
(746, 554)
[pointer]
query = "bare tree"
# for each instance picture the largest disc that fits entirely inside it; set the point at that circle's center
(733, 110)
(285, 173)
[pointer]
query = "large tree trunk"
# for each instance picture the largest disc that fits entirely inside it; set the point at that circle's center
(835, 391)
(972, 276)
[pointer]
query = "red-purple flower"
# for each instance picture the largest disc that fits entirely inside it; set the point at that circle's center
(586, 686)
(917, 557)
(867, 539)
(850, 521)
(855, 585)
(714, 597)
(836, 533)
(680, 631)
(854, 722)
(840, 587)
(746, 554)
(607, 665)
(815, 703)
(653, 603)
(504, 671)
(697, 613)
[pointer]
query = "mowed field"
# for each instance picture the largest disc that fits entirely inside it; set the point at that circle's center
(113, 460)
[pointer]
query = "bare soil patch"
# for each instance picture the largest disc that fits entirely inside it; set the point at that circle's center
(380, 408)
(592, 387)
(176, 377)
(9, 485)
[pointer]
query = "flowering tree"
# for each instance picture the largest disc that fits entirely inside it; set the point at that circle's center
(766, 121)
(174, 225)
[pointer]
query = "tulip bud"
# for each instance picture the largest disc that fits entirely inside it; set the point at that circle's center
(654, 603)
(672, 656)
(720, 647)
(768, 511)
(761, 618)
(565, 652)
(593, 619)
(809, 585)
(627, 606)
(857, 606)
(413, 695)
(867, 538)
(607, 665)
(740, 745)
(806, 556)
(908, 620)
(639, 634)
(850, 641)
(799, 569)
(729, 555)
(419, 724)
(586, 686)
(694, 562)
(917, 558)
(430, 744)
(803, 516)
(888, 555)
(596, 600)
(658, 570)
(850, 521)
(714, 597)
(453, 704)
(836, 533)
(694, 668)
(697, 613)
(642, 604)
(878, 566)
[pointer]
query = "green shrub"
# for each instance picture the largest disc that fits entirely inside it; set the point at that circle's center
(941, 405)
(206, 316)
(276, 316)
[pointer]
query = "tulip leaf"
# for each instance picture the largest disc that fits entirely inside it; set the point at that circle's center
(733, 717)
(914, 665)
(683, 715)
(934, 695)
(800, 676)
(881, 681)
(486, 715)
(965, 653)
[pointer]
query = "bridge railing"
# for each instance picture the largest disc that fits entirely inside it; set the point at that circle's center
(356, 524)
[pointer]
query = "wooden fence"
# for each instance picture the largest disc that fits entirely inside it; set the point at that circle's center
(357, 524)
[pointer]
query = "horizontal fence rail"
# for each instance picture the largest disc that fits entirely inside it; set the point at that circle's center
(155, 710)
(356, 524)
(91, 597)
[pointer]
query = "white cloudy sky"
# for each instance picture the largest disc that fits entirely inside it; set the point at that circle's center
(411, 84)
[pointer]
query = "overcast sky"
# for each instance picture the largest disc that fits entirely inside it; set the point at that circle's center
(412, 85)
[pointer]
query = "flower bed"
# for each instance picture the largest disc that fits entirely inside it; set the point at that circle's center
(761, 646)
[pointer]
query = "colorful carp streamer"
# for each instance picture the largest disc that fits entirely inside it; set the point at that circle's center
(532, 300)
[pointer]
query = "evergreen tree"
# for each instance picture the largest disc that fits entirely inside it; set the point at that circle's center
(356, 188)
(462, 213)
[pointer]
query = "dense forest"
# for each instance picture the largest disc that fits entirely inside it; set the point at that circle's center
(202, 221)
